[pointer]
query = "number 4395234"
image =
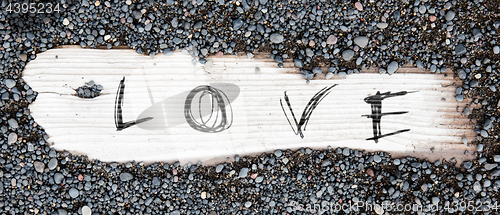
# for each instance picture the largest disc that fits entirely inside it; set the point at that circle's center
(33, 8)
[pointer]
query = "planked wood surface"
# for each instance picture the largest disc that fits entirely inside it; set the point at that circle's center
(87, 126)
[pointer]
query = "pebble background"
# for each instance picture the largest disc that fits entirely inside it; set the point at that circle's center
(342, 35)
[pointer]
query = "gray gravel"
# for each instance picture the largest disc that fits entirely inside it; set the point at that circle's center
(219, 168)
(39, 166)
(276, 38)
(12, 138)
(393, 67)
(496, 158)
(382, 25)
(13, 123)
(9, 83)
(278, 153)
(329, 75)
(450, 15)
(331, 40)
(86, 210)
(460, 49)
(89, 90)
(52, 164)
(58, 178)
(298, 63)
(461, 74)
(73, 192)
(243, 173)
(126, 176)
(490, 166)
(237, 24)
(348, 54)
(461, 36)
(361, 41)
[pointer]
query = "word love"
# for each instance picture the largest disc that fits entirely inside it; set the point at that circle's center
(218, 100)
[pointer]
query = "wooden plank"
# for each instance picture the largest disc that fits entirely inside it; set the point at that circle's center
(157, 87)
